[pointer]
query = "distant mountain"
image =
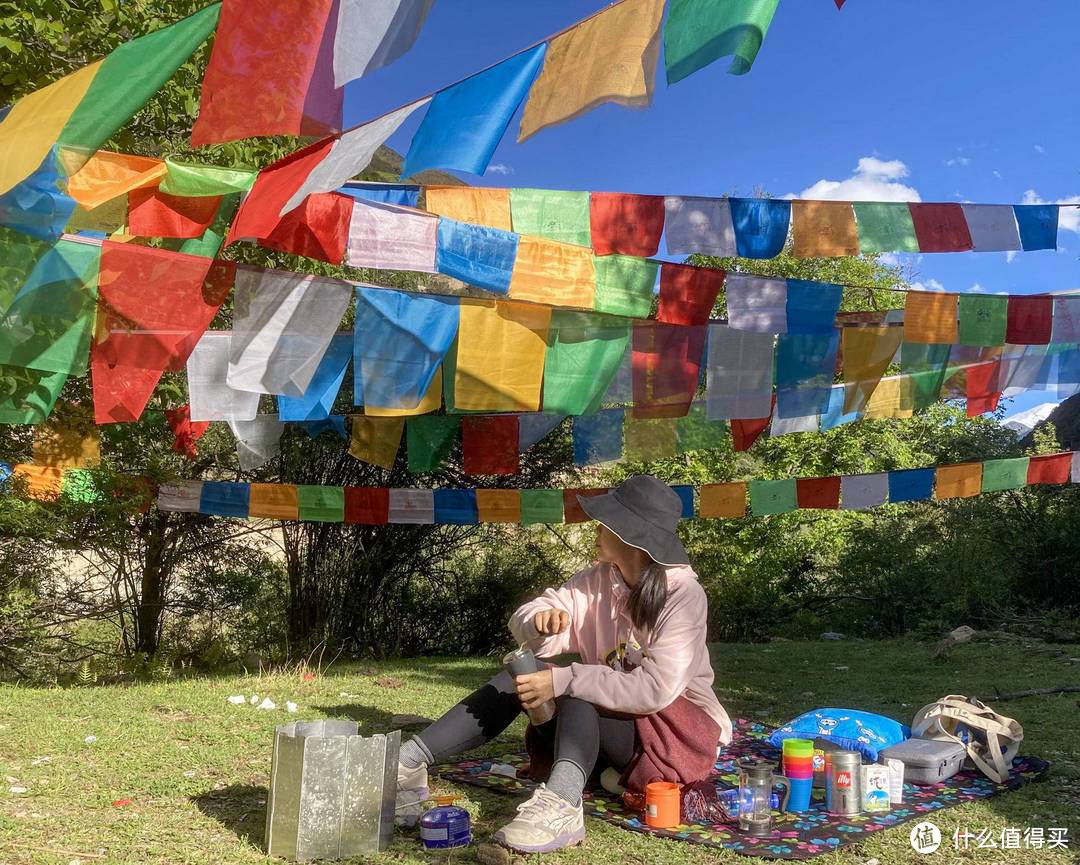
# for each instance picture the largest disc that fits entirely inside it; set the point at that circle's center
(386, 167)
(1024, 422)
(1066, 420)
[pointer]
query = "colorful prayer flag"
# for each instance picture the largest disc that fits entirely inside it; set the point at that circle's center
(598, 438)
(930, 317)
(958, 481)
(1005, 474)
(687, 293)
(584, 352)
(182, 496)
(667, 361)
(982, 320)
(858, 492)
(697, 32)
(823, 229)
(370, 35)
(107, 175)
(274, 502)
(572, 510)
(761, 226)
(773, 497)
(376, 440)
(756, 303)
(455, 507)
(646, 440)
(480, 256)
(739, 376)
(489, 445)
(557, 274)
(498, 506)
(549, 213)
(258, 440)
(430, 440)
(1049, 469)
(1029, 320)
(1038, 224)
(624, 285)
(368, 506)
(698, 225)
(209, 394)
(224, 499)
(909, 485)
(722, 500)
(992, 227)
(153, 213)
(868, 352)
(885, 226)
(818, 493)
(409, 506)
(940, 227)
(541, 506)
(318, 398)
(321, 504)
(625, 223)
(185, 432)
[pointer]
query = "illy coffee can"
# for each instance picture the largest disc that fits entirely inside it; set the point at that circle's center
(521, 662)
(842, 782)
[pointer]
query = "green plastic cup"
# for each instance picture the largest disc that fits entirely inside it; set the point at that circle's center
(799, 747)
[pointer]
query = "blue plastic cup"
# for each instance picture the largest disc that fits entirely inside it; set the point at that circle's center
(797, 799)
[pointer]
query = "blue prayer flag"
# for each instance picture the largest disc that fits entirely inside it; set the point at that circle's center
(761, 226)
(534, 426)
(1038, 225)
(598, 438)
(811, 306)
(805, 363)
(686, 495)
(456, 507)
(465, 122)
(319, 397)
(911, 485)
(404, 194)
(834, 414)
(476, 254)
(36, 206)
(335, 423)
(399, 340)
(224, 499)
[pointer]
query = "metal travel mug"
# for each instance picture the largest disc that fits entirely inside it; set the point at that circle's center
(842, 783)
(521, 662)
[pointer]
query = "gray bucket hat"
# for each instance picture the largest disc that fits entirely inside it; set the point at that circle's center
(643, 512)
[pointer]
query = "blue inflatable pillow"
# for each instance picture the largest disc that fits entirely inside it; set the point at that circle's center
(848, 728)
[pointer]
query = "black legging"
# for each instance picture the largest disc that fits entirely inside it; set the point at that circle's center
(579, 732)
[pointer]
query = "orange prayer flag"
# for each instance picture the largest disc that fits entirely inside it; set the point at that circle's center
(867, 353)
(559, 274)
(610, 57)
(892, 398)
(376, 440)
(499, 506)
(107, 175)
(274, 501)
(43, 483)
(824, 229)
(480, 206)
(958, 482)
(68, 439)
(930, 317)
(722, 500)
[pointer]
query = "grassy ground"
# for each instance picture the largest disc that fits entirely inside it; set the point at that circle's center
(195, 768)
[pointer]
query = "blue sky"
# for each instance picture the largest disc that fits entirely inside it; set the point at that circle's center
(956, 101)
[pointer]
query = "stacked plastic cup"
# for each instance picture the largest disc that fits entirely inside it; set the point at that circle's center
(798, 768)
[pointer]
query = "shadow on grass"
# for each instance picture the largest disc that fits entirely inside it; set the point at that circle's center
(240, 808)
(370, 718)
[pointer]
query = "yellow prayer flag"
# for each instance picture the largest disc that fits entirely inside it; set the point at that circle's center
(930, 317)
(649, 438)
(958, 482)
(892, 398)
(610, 57)
(69, 439)
(500, 355)
(35, 122)
(43, 483)
(432, 401)
(823, 229)
(107, 175)
(722, 500)
(490, 207)
(376, 440)
(274, 502)
(498, 506)
(559, 274)
(867, 353)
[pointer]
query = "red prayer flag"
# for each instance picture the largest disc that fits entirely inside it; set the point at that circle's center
(626, 224)
(318, 228)
(666, 367)
(982, 388)
(1050, 469)
(1029, 321)
(489, 444)
(819, 493)
(186, 433)
(687, 293)
(270, 72)
(153, 213)
(368, 506)
(260, 213)
(940, 227)
(745, 432)
(572, 512)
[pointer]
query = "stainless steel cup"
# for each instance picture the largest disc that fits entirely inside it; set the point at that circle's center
(521, 662)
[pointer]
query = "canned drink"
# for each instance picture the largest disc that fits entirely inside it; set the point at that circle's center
(842, 783)
(521, 662)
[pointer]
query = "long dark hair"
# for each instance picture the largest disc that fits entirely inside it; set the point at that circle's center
(648, 597)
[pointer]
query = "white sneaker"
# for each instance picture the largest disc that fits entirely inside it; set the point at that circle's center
(412, 792)
(544, 823)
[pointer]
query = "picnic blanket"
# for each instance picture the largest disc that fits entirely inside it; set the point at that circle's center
(797, 836)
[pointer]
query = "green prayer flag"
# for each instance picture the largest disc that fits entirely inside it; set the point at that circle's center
(19, 255)
(624, 285)
(203, 180)
(130, 76)
(321, 504)
(982, 319)
(208, 244)
(50, 322)
(648, 439)
(926, 364)
(27, 396)
(695, 432)
(430, 440)
(698, 32)
(78, 485)
(584, 352)
(773, 497)
(885, 227)
(541, 506)
(1008, 474)
(552, 214)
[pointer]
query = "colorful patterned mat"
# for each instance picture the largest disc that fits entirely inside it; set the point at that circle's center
(797, 836)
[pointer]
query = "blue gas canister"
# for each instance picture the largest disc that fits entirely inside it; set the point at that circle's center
(445, 826)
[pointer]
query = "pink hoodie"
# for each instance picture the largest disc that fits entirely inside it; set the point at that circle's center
(673, 662)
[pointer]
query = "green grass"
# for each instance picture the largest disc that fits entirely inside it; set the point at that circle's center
(196, 768)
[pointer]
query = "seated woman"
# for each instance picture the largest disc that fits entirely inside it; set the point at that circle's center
(640, 705)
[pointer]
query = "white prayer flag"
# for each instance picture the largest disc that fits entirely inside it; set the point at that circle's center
(703, 225)
(209, 394)
(257, 441)
(412, 506)
(992, 227)
(756, 303)
(183, 496)
(389, 237)
(739, 374)
(372, 34)
(864, 491)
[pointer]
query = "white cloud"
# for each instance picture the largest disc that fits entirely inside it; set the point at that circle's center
(1068, 217)
(889, 259)
(1040, 149)
(500, 168)
(874, 180)
(1010, 256)
(962, 161)
(997, 174)
(929, 285)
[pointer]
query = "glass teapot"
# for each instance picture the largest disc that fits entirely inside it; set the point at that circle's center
(756, 780)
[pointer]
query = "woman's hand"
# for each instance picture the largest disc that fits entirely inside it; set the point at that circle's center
(534, 689)
(551, 621)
